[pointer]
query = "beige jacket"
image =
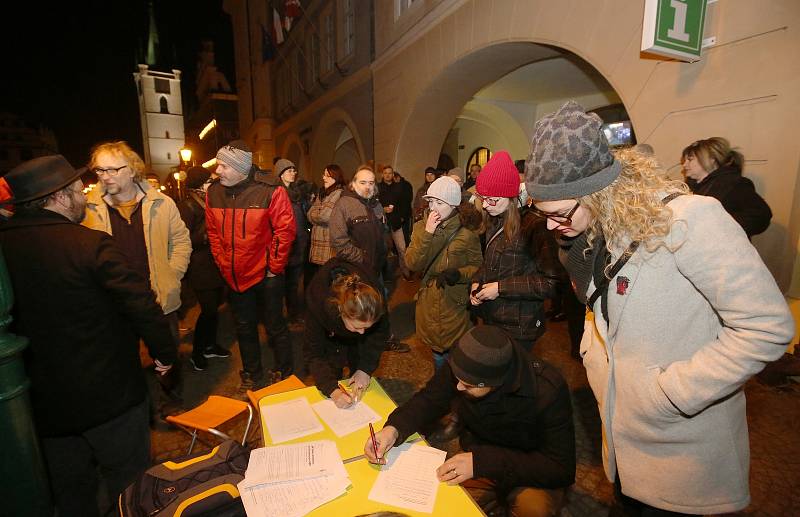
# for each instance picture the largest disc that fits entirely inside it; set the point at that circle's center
(165, 235)
(686, 330)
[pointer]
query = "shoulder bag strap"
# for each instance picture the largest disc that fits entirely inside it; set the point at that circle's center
(433, 261)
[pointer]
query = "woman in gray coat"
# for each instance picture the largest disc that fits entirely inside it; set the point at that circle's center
(685, 312)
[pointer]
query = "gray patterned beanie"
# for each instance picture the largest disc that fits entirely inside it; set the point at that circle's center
(238, 156)
(569, 156)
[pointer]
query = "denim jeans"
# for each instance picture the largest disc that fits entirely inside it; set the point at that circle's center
(244, 306)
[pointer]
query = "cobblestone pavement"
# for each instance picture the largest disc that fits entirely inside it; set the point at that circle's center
(773, 413)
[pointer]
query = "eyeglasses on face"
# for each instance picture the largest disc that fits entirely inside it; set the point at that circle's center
(491, 201)
(112, 171)
(565, 219)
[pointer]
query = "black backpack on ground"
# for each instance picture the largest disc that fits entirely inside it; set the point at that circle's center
(195, 486)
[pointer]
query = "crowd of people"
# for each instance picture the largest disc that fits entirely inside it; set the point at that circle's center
(681, 309)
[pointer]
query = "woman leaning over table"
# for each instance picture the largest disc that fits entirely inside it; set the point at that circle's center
(520, 261)
(677, 328)
(346, 325)
(446, 250)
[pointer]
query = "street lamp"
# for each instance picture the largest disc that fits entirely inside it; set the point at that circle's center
(186, 155)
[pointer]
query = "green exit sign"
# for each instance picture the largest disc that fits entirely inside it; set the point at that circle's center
(674, 28)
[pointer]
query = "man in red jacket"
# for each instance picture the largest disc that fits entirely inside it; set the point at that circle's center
(251, 228)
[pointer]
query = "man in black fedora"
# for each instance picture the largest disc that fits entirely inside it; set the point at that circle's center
(83, 309)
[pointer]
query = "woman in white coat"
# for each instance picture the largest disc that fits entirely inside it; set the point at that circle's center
(684, 313)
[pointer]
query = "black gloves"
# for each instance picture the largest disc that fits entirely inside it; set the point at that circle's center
(450, 276)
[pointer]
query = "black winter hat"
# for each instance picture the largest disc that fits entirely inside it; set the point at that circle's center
(483, 356)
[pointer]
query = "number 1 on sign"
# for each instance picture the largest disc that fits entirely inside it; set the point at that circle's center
(678, 30)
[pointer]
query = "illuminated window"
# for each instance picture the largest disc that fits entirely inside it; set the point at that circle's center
(479, 156)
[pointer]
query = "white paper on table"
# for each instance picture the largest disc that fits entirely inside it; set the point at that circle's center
(289, 420)
(408, 480)
(347, 420)
(293, 499)
(281, 463)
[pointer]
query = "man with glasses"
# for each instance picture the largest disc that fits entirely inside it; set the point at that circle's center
(145, 223)
(83, 308)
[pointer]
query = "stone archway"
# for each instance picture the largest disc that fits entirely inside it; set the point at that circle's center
(293, 150)
(437, 105)
(326, 144)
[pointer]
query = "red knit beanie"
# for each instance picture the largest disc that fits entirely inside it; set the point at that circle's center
(499, 177)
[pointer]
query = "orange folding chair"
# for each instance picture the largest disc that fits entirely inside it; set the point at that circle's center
(211, 414)
(288, 384)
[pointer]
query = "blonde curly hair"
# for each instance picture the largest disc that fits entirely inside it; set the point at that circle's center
(631, 208)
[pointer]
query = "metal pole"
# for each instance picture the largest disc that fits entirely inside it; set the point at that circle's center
(25, 488)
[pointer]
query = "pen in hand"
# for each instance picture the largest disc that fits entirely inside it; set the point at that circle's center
(344, 390)
(374, 442)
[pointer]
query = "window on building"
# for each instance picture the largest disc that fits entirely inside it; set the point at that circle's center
(169, 156)
(401, 6)
(313, 55)
(161, 85)
(164, 106)
(348, 27)
(479, 156)
(166, 134)
(328, 51)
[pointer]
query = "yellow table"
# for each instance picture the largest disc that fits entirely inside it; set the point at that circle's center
(350, 446)
(450, 500)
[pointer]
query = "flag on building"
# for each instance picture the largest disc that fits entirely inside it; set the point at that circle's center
(277, 27)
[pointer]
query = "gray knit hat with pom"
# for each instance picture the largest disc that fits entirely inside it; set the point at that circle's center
(569, 156)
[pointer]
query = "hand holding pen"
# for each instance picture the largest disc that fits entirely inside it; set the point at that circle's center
(379, 443)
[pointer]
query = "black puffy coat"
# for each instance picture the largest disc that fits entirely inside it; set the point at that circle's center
(738, 196)
(520, 434)
(83, 308)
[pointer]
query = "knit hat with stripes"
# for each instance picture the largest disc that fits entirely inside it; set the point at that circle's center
(482, 357)
(237, 155)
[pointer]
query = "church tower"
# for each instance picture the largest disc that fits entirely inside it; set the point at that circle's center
(160, 109)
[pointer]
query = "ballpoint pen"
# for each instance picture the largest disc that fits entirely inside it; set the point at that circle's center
(374, 443)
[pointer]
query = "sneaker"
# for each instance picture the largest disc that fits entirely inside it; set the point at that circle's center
(216, 351)
(199, 363)
(393, 345)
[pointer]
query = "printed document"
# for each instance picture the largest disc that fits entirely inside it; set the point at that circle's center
(289, 420)
(347, 420)
(292, 480)
(408, 480)
(293, 462)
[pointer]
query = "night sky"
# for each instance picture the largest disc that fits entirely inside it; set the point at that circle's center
(69, 65)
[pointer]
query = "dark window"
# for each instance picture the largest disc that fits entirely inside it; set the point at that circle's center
(162, 85)
(169, 156)
(167, 134)
(164, 107)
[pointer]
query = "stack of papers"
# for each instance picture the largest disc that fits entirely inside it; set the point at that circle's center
(408, 479)
(292, 480)
(347, 420)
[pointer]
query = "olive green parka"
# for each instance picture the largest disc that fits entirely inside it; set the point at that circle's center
(441, 313)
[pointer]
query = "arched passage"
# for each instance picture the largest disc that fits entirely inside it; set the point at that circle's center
(451, 101)
(292, 149)
(336, 140)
